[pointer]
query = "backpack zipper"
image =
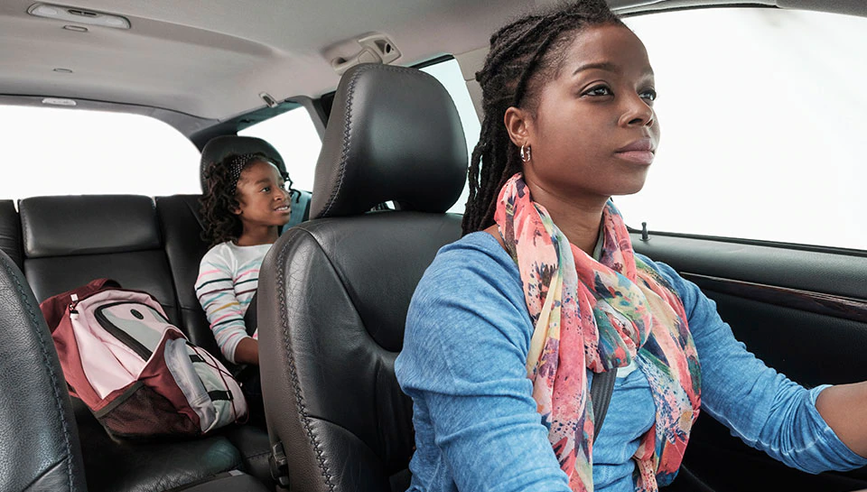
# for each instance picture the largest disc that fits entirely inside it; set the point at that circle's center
(72, 304)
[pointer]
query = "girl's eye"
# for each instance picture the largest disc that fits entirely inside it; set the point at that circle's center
(266, 189)
(649, 94)
(599, 90)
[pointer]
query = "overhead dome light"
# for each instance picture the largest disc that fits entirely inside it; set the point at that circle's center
(59, 101)
(78, 16)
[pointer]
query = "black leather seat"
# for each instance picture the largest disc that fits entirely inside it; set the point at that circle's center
(70, 240)
(337, 287)
(39, 447)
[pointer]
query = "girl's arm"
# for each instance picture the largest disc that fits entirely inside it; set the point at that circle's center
(247, 351)
(216, 294)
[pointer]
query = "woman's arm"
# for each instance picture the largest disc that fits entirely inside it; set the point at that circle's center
(761, 406)
(844, 408)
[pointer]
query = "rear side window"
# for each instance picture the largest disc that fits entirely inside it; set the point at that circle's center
(762, 123)
(52, 151)
(296, 139)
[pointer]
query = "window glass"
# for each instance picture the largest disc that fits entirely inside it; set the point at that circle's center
(449, 75)
(294, 136)
(55, 151)
(762, 123)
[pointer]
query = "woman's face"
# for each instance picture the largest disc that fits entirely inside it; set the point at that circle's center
(594, 132)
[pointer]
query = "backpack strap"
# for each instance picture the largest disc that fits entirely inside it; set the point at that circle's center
(220, 395)
(600, 394)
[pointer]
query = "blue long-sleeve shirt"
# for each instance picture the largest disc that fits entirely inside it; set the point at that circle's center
(477, 429)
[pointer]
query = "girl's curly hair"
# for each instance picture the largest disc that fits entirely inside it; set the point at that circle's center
(220, 197)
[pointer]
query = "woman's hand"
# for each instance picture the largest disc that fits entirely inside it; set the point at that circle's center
(844, 408)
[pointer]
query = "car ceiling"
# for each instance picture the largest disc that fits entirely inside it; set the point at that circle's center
(212, 58)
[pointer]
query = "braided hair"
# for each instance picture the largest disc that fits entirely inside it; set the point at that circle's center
(220, 198)
(523, 54)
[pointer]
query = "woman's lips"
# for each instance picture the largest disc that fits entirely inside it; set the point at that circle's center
(637, 156)
(640, 151)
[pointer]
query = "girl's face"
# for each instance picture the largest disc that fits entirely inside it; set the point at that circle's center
(262, 199)
(594, 132)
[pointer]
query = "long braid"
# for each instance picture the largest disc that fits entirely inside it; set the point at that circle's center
(522, 53)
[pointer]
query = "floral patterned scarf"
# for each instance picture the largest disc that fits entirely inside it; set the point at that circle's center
(599, 315)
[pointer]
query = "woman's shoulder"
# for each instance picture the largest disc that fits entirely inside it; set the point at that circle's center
(469, 270)
(470, 294)
(476, 257)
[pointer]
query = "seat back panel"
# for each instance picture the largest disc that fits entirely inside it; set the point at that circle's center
(336, 293)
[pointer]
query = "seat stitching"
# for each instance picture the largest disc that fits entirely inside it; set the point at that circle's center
(293, 374)
(34, 325)
(346, 141)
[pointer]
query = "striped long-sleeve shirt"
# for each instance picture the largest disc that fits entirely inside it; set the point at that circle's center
(228, 278)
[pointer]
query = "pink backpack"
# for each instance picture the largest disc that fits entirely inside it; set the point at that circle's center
(138, 373)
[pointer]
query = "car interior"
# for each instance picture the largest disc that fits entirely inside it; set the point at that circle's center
(336, 286)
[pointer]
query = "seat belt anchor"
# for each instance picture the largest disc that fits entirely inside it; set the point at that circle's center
(279, 465)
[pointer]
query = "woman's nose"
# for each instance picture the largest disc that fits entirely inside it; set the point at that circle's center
(637, 113)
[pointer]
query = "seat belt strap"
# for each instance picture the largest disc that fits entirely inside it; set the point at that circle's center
(600, 394)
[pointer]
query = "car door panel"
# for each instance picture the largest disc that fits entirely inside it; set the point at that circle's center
(802, 311)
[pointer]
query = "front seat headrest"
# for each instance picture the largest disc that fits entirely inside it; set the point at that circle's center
(394, 135)
(219, 147)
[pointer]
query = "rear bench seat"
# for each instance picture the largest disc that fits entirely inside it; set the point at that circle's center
(146, 244)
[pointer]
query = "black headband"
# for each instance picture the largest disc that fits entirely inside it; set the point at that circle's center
(239, 162)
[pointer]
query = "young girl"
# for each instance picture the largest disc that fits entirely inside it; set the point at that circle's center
(509, 324)
(244, 207)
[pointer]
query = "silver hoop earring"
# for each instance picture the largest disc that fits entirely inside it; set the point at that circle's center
(526, 153)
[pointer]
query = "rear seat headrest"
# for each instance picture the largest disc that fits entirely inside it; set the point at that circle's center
(219, 147)
(89, 224)
(394, 135)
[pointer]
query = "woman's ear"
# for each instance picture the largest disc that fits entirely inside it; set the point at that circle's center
(235, 209)
(518, 124)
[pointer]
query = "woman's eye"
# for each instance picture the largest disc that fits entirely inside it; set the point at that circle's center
(266, 189)
(599, 90)
(649, 94)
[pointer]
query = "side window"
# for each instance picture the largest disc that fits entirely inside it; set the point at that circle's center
(762, 126)
(294, 136)
(56, 151)
(449, 74)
